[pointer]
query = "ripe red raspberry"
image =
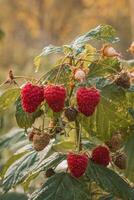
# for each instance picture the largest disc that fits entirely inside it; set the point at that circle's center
(77, 164)
(31, 97)
(55, 97)
(101, 155)
(87, 100)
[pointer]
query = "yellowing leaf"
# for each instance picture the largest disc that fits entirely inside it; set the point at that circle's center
(8, 98)
(37, 62)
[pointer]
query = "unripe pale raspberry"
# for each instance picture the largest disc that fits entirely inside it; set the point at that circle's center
(80, 75)
(87, 100)
(101, 155)
(77, 164)
(55, 97)
(31, 97)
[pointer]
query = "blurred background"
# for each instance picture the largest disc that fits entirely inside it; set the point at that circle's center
(27, 26)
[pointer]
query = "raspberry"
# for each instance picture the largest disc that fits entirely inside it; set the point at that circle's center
(123, 80)
(31, 97)
(50, 172)
(55, 97)
(121, 161)
(87, 100)
(77, 164)
(101, 155)
(31, 135)
(71, 114)
(40, 141)
(115, 143)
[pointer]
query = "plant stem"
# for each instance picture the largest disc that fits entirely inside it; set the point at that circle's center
(78, 135)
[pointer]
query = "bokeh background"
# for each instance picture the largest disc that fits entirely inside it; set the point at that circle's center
(29, 25)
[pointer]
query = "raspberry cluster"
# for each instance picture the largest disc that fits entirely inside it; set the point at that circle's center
(77, 164)
(87, 100)
(31, 97)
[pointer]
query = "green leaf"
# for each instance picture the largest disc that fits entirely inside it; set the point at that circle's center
(51, 49)
(102, 32)
(109, 181)
(11, 161)
(11, 138)
(108, 197)
(62, 186)
(8, 98)
(13, 196)
(131, 112)
(51, 162)
(129, 149)
(104, 66)
(64, 146)
(19, 170)
(25, 120)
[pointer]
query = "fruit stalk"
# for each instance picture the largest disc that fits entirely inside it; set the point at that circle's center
(78, 136)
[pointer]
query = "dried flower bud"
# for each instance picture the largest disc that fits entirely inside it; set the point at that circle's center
(108, 51)
(131, 48)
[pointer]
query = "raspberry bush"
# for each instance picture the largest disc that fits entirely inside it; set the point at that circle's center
(76, 135)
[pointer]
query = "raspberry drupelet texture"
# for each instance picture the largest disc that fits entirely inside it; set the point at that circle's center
(77, 164)
(101, 155)
(55, 97)
(31, 97)
(87, 100)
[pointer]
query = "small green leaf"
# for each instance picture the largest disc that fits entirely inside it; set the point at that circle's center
(109, 181)
(62, 186)
(25, 120)
(8, 98)
(64, 146)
